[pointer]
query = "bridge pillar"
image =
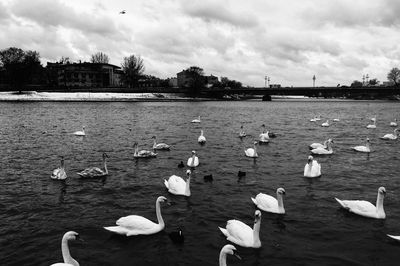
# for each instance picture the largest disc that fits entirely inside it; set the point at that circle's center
(267, 98)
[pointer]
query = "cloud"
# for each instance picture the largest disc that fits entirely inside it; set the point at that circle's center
(288, 40)
(213, 11)
(54, 13)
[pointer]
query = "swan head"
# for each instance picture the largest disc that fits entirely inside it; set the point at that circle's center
(162, 199)
(188, 172)
(367, 139)
(330, 140)
(193, 152)
(71, 235)
(153, 137)
(231, 250)
(241, 126)
(135, 144)
(255, 142)
(105, 155)
(382, 191)
(281, 191)
(310, 159)
(257, 216)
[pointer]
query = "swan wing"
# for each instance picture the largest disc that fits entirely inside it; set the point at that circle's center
(316, 145)
(91, 172)
(135, 222)
(239, 233)
(315, 169)
(61, 264)
(360, 207)
(193, 163)
(176, 184)
(266, 202)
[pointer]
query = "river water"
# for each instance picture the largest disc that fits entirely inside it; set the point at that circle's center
(36, 211)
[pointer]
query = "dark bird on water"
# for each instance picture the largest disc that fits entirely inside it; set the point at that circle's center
(177, 237)
(181, 165)
(241, 174)
(123, 12)
(208, 178)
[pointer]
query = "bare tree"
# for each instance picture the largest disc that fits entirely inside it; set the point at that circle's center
(394, 75)
(133, 69)
(100, 57)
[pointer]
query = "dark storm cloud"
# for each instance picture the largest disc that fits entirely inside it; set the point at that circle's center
(212, 11)
(53, 13)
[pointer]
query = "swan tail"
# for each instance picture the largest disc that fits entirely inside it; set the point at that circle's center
(254, 201)
(224, 231)
(166, 183)
(116, 229)
(341, 203)
(394, 237)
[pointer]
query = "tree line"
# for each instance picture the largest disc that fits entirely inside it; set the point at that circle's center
(393, 77)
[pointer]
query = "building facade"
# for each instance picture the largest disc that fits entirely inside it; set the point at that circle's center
(85, 74)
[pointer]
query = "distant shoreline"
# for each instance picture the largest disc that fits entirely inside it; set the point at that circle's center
(33, 96)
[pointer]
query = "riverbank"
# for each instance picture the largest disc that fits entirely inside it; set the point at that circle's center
(33, 96)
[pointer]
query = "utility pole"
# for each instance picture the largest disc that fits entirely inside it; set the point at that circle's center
(363, 80)
(367, 78)
(266, 80)
(314, 78)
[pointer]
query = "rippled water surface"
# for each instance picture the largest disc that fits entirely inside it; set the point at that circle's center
(35, 211)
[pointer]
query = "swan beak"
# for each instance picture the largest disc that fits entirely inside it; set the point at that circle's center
(236, 255)
(77, 237)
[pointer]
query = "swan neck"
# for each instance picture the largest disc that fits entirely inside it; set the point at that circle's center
(136, 150)
(256, 233)
(62, 164)
(279, 196)
(222, 258)
(105, 165)
(379, 204)
(65, 252)
(158, 213)
(187, 190)
(154, 143)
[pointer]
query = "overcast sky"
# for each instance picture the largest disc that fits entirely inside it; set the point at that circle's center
(287, 40)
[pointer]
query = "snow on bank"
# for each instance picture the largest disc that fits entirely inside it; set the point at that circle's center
(89, 96)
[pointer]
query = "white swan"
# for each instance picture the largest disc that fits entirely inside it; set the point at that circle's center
(252, 152)
(336, 120)
(373, 118)
(316, 145)
(142, 153)
(196, 120)
(68, 260)
(312, 168)
(91, 172)
(318, 118)
(201, 138)
(365, 208)
(59, 173)
(227, 249)
(322, 151)
(313, 119)
(394, 237)
(242, 234)
(394, 124)
(193, 161)
(365, 148)
(160, 146)
(372, 125)
(391, 136)
(177, 186)
(242, 134)
(80, 133)
(264, 136)
(326, 124)
(138, 225)
(268, 203)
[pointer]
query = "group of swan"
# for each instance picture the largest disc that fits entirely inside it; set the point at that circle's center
(90, 172)
(322, 149)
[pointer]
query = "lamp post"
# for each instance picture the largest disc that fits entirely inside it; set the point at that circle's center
(266, 79)
(314, 78)
(363, 83)
(367, 78)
